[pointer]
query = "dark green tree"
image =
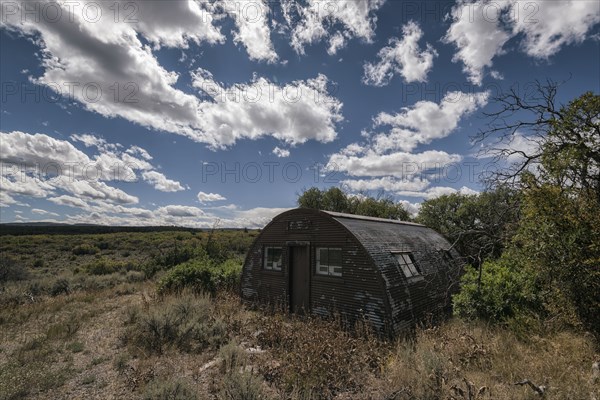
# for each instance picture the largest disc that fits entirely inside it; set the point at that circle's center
(335, 199)
(558, 237)
(478, 226)
(311, 198)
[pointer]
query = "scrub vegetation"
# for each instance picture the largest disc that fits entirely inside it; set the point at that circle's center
(125, 323)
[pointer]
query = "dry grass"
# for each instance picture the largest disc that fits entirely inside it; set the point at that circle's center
(317, 357)
(111, 336)
(184, 322)
(449, 361)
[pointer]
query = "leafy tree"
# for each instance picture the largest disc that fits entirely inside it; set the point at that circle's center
(570, 155)
(335, 199)
(380, 208)
(478, 226)
(559, 241)
(558, 238)
(563, 142)
(501, 291)
(311, 198)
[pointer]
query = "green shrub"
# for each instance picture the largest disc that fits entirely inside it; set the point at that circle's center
(231, 273)
(169, 390)
(177, 255)
(84, 249)
(103, 245)
(61, 286)
(38, 263)
(232, 356)
(201, 275)
(216, 250)
(507, 291)
(11, 270)
(184, 323)
(241, 385)
(105, 267)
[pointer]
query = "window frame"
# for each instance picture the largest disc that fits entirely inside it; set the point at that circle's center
(330, 268)
(409, 266)
(265, 259)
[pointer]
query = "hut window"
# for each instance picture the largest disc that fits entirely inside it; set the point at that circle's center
(407, 264)
(329, 261)
(273, 257)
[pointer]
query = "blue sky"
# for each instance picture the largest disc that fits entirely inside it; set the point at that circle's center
(185, 112)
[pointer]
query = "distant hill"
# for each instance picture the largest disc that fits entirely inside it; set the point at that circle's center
(57, 228)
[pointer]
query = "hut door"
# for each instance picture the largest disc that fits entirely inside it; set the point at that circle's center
(299, 279)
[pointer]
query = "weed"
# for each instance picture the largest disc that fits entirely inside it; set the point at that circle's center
(75, 347)
(169, 390)
(98, 361)
(241, 385)
(185, 323)
(63, 330)
(120, 362)
(232, 356)
(85, 249)
(88, 379)
(11, 270)
(60, 286)
(318, 355)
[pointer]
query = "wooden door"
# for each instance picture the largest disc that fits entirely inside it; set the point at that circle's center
(299, 279)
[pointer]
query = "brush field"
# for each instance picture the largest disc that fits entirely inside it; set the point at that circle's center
(102, 316)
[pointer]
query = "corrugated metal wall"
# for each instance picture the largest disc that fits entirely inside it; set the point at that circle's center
(358, 293)
(372, 285)
(410, 299)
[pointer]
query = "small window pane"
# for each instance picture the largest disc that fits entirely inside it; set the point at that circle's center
(413, 269)
(273, 258)
(411, 265)
(329, 261)
(324, 259)
(407, 265)
(405, 270)
(335, 257)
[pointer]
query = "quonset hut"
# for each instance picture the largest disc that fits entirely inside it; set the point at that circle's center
(390, 272)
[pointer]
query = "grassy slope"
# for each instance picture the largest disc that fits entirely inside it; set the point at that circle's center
(113, 337)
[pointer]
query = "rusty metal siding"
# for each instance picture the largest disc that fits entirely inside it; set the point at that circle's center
(372, 285)
(357, 294)
(410, 299)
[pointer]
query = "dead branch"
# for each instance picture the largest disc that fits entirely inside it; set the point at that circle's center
(541, 389)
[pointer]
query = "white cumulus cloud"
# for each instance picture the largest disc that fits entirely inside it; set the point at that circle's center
(41, 166)
(209, 197)
(395, 164)
(251, 18)
(426, 121)
(480, 29)
(294, 113)
(402, 56)
(314, 20)
(161, 182)
(281, 153)
(109, 68)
